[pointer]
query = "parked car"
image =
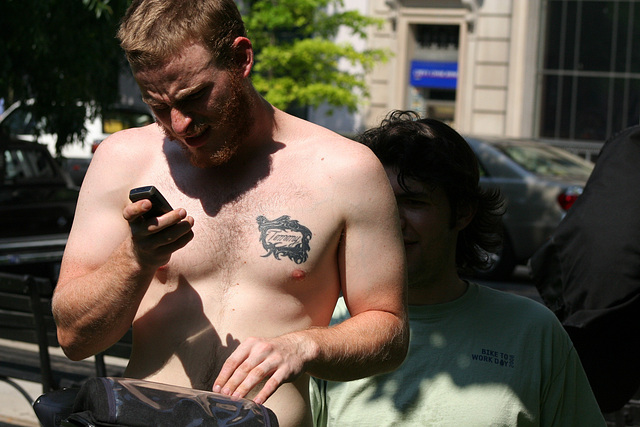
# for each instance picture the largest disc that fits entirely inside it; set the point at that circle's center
(540, 183)
(18, 121)
(75, 167)
(37, 205)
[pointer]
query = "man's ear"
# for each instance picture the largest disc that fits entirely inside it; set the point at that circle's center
(243, 55)
(466, 212)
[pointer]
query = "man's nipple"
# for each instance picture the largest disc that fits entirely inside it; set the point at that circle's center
(298, 274)
(162, 273)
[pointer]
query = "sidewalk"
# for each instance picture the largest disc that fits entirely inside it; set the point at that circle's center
(15, 407)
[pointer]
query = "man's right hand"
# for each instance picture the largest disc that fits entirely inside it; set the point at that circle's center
(155, 239)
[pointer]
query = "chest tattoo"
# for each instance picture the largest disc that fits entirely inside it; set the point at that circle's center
(284, 237)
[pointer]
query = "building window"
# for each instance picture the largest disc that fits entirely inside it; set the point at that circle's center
(590, 69)
(433, 71)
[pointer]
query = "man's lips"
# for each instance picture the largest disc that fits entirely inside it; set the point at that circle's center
(197, 140)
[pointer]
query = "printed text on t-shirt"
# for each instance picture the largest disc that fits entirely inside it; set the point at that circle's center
(496, 357)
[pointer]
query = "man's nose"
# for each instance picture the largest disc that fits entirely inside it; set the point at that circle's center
(180, 121)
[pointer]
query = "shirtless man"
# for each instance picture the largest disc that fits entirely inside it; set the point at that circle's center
(233, 290)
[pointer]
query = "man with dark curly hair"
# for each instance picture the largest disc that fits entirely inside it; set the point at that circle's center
(477, 356)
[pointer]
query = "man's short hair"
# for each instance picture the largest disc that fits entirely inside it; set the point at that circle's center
(432, 153)
(154, 30)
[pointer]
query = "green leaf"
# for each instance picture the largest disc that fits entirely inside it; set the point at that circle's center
(297, 58)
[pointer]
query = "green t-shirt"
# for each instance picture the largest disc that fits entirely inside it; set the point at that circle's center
(488, 358)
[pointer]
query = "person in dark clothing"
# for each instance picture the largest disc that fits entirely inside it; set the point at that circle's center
(588, 273)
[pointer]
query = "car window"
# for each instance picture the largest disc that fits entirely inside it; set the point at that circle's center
(481, 169)
(548, 161)
(26, 165)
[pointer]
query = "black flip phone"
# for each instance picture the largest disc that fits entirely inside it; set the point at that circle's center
(159, 207)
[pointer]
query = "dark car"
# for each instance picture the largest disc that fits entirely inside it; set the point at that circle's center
(37, 205)
(19, 122)
(540, 183)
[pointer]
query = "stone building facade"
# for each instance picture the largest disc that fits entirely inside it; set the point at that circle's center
(564, 71)
(491, 48)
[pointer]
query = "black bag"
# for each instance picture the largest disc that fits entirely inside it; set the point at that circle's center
(109, 401)
(588, 274)
(54, 406)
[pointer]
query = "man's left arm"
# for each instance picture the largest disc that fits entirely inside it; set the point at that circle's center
(373, 277)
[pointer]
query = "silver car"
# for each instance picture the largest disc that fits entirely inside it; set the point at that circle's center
(540, 183)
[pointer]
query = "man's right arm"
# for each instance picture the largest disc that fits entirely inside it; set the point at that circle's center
(94, 307)
(110, 258)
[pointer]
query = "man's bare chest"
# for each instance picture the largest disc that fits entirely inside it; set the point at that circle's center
(265, 232)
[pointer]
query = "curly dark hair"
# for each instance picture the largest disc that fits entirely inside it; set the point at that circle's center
(431, 152)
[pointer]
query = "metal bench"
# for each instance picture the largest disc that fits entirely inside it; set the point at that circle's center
(25, 315)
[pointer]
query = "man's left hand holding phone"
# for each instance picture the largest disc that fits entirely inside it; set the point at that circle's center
(157, 229)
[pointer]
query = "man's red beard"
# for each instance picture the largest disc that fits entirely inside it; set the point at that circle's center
(234, 122)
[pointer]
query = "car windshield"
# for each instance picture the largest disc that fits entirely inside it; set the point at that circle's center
(547, 161)
(26, 165)
(21, 121)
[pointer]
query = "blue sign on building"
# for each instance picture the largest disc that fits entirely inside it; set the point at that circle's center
(437, 75)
